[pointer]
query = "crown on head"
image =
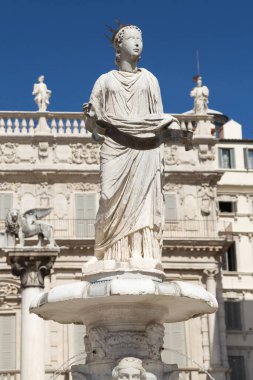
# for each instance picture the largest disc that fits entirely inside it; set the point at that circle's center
(117, 34)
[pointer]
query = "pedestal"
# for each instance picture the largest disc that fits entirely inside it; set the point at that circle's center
(31, 265)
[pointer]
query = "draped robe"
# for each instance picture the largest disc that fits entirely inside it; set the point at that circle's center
(130, 217)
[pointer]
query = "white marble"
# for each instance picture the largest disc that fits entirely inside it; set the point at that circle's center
(131, 212)
(147, 300)
(200, 94)
(32, 338)
(41, 94)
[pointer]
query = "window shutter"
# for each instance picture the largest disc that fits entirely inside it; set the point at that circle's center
(85, 214)
(7, 342)
(237, 366)
(233, 315)
(170, 207)
(174, 339)
(232, 157)
(5, 204)
(220, 158)
(246, 161)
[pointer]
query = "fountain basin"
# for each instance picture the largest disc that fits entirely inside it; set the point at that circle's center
(130, 300)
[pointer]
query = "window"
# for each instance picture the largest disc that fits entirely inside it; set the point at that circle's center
(237, 366)
(227, 206)
(229, 259)
(85, 215)
(7, 342)
(170, 207)
(233, 315)
(248, 158)
(5, 204)
(226, 158)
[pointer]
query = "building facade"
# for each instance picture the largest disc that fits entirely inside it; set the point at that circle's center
(48, 159)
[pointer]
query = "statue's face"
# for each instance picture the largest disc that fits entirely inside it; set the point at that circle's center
(129, 374)
(131, 45)
(199, 82)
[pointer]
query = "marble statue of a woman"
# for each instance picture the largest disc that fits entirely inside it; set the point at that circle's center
(130, 217)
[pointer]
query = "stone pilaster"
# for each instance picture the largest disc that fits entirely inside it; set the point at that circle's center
(214, 335)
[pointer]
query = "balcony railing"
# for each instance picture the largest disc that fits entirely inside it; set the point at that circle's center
(11, 374)
(173, 229)
(16, 123)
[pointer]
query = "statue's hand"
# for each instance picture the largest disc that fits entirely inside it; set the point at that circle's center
(88, 110)
(174, 125)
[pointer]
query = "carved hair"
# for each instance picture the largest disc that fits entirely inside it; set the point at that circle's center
(126, 363)
(118, 38)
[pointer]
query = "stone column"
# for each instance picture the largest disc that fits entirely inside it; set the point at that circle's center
(31, 265)
(214, 341)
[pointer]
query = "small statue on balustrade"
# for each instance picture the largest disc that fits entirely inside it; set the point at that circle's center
(200, 94)
(42, 94)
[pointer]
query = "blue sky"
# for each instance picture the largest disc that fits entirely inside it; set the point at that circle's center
(64, 40)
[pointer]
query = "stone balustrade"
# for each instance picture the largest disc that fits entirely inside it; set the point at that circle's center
(16, 123)
(11, 374)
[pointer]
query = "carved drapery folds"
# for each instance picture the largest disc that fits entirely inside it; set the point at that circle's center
(31, 270)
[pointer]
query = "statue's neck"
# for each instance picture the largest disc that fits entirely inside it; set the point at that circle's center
(130, 67)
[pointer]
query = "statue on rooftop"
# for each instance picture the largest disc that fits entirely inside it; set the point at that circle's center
(200, 94)
(42, 94)
(125, 114)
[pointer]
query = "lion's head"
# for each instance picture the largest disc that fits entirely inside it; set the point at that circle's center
(12, 221)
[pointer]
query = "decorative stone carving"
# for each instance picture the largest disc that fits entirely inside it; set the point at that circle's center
(9, 186)
(207, 195)
(42, 94)
(190, 206)
(8, 152)
(83, 186)
(85, 153)
(60, 205)
(129, 369)
(43, 150)
(100, 343)
(175, 156)
(8, 289)
(27, 225)
(45, 192)
(61, 154)
(32, 271)
(9, 294)
(206, 152)
(155, 334)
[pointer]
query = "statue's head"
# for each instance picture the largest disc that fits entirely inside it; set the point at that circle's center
(129, 369)
(199, 81)
(128, 43)
(41, 78)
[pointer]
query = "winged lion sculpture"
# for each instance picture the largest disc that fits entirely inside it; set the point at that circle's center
(21, 226)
